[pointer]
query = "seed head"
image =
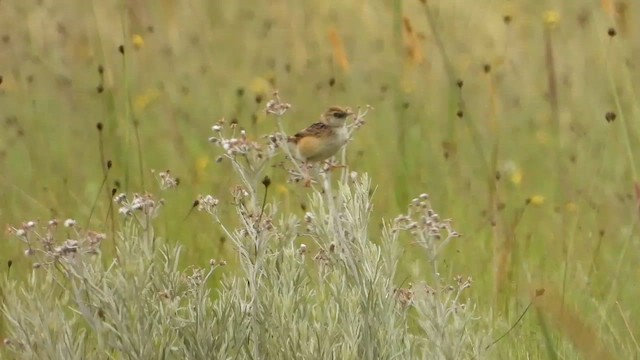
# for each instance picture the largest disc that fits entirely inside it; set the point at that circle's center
(122, 197)
(610, 116)
(266, 181)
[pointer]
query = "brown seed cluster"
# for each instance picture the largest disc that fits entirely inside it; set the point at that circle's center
(610, 116)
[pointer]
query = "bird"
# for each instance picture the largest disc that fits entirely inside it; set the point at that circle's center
(323, 139)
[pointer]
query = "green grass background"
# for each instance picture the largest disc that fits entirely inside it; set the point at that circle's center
(533, 126)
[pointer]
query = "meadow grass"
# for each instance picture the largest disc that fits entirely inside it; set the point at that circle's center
(518, 118)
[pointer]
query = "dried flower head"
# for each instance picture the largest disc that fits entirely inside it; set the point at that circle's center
(207, 203)
(44, 245)
(322, 258)
(276, 106)
(404, 296)
(145, 204)
(166, 180)
(120, 198)
(302, 249)
(425, 225)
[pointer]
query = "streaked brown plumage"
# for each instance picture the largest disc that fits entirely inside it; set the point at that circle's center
(323, 139)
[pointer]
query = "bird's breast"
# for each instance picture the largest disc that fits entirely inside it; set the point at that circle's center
(342, 135)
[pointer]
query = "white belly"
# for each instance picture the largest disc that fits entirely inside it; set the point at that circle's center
(333, 146)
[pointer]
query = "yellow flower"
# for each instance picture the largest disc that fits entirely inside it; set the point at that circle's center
(551, 18)
(281, 189)
(571, 207)
(137, 40)
(142, 101)
(516, 177)
(260, 86)
(536, 200)
(512, 171)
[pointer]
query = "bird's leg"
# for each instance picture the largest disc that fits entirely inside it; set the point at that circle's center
(306, 175)
(330, 165)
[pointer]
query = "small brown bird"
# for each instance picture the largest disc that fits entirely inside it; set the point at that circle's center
(323, 139)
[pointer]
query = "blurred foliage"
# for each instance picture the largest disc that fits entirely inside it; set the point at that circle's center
(517, 117)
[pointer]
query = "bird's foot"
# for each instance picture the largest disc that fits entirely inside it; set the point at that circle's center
(330, 166)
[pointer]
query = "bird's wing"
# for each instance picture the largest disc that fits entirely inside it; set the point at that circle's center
(316, 130)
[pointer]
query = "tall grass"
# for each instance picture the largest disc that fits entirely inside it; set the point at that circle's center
(531, 154)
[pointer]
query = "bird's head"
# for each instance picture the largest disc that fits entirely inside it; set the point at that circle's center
(336, 116)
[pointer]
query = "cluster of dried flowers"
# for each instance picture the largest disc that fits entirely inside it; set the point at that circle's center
(49, 244)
